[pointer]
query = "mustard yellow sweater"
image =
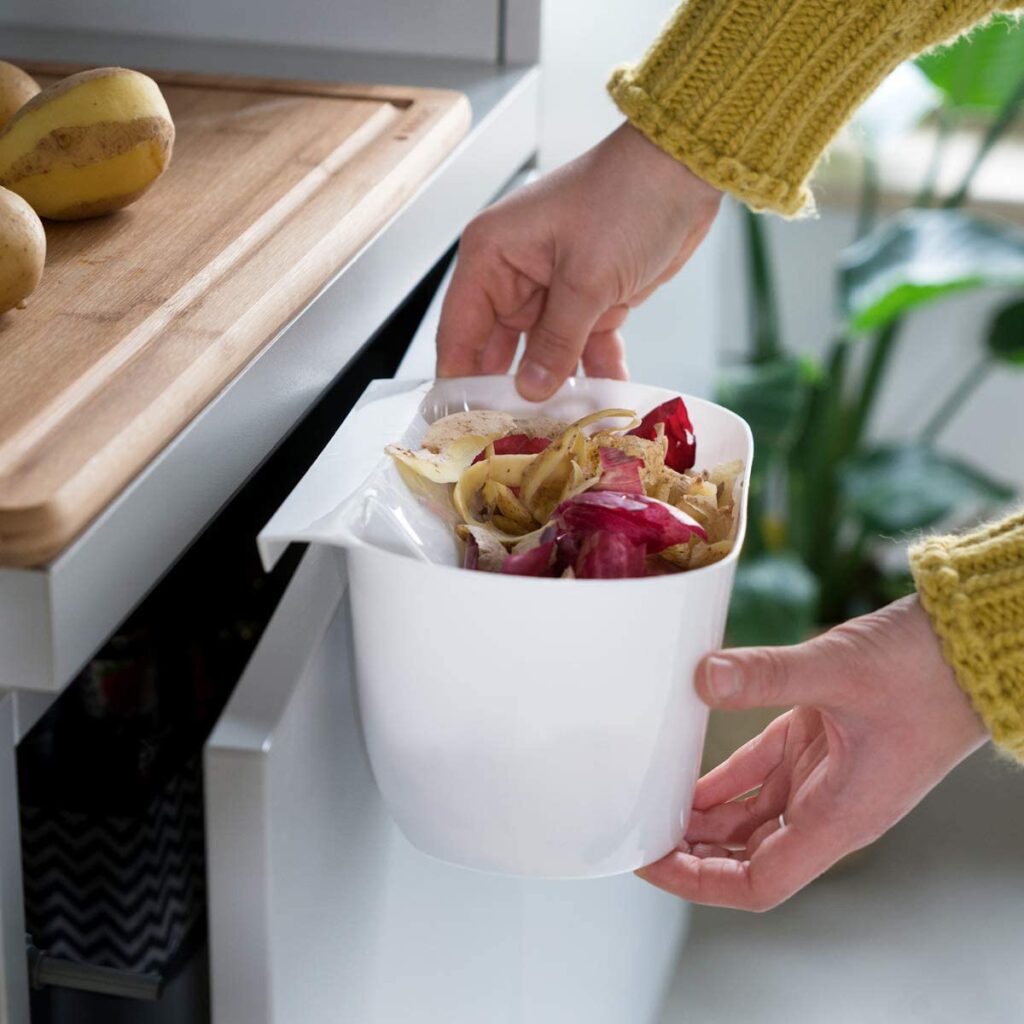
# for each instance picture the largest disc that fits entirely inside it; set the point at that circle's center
(748, 93)
(972, 587)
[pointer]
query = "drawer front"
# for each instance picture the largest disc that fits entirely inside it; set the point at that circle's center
(320, 911)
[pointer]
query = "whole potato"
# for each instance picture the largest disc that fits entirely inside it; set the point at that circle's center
(87, 145)
(22, 250)
(16, 89)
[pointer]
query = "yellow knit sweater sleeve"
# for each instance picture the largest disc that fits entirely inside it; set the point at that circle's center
(972, 587)
(748, 93)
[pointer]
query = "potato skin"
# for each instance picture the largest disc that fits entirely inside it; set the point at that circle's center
(22, 250)
(16, 89)
(90, 144)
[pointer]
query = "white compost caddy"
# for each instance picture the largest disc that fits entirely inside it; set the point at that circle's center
(537, 727)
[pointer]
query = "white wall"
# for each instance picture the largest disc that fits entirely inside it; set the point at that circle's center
(457, 28)
(937, 347)
(672, 337)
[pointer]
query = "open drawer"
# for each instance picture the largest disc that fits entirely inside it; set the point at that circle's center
(321, 911)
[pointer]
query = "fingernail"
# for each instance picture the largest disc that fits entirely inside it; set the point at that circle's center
(535, 380)
(722, 678)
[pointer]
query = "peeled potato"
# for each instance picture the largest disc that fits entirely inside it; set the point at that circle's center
(22, 250)
(89, 144)
(16, 89)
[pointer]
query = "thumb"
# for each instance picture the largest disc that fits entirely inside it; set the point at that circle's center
(767, 677)
(555, 344)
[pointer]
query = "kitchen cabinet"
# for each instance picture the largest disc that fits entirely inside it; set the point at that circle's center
(54, 617)
(318, 909)
(464, 29)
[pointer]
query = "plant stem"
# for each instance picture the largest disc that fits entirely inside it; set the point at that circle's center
(812, 462)
(835, 369)
(766, 318)
(829, 452)
(943, 125)
(837, 585)
(1006, 116)
(870, 193)
(878, 359)
(963, 390)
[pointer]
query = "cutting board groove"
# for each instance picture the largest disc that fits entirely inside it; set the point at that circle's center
(144, 316)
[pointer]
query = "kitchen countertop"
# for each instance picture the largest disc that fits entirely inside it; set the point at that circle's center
(54, 617)
(927, 929)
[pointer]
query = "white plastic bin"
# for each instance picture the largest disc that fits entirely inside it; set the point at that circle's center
(537, 727)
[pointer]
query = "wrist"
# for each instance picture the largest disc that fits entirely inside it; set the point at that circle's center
(968, 724)
(668, 174)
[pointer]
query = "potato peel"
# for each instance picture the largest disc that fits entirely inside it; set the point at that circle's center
(445, 466)
(509, 506)
(507, 503)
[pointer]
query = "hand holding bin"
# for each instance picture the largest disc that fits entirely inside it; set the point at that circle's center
(530, 726)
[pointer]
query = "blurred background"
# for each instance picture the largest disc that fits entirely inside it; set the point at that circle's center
(884, 379)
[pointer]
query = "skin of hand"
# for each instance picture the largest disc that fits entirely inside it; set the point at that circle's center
(565, 258)
(879, 720)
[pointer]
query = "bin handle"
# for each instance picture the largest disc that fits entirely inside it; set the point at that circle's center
(44, 970)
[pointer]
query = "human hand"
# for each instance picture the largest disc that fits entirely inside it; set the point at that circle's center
(879, 721)
(565, 258)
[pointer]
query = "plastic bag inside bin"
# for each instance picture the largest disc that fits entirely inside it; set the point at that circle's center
(356, 495)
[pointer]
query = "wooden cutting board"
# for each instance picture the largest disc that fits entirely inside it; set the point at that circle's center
(144, 315)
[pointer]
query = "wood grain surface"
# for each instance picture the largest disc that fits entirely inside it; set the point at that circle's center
(145, 315)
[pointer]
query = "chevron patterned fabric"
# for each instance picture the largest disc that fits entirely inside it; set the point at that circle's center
(122, 892)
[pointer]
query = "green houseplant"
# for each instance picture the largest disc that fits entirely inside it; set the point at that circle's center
(826, 500)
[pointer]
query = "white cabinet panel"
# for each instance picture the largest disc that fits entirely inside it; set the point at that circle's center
(448, 28)
(13, 969)
(320, 911)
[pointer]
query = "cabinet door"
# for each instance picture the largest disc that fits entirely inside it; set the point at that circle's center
(320, 911)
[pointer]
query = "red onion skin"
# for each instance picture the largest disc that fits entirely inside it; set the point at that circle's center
(516, 444)
(640, 519)
(610, 556)
(682, 443)
(619, 472)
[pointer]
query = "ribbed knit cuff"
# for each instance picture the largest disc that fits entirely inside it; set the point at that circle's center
(972, 587)
(748, 93)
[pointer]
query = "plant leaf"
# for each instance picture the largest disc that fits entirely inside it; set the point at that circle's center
(771, 397)
(774, 601)
(896, 488)
(894, 585)
(1006, 334)
(979, 71)
(918, 256)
